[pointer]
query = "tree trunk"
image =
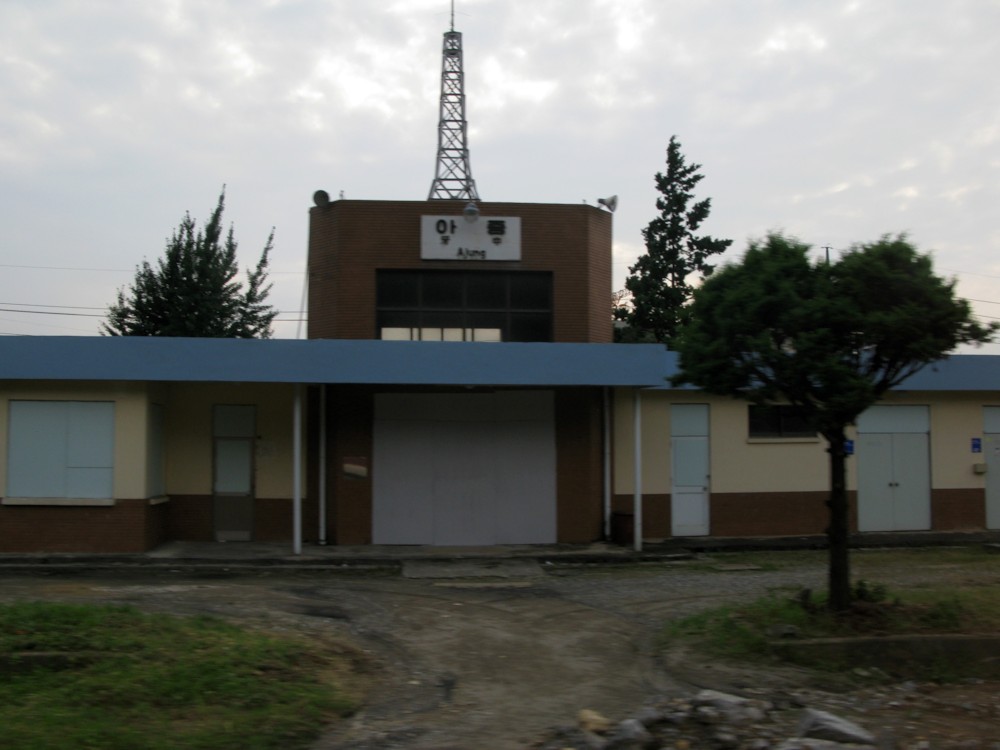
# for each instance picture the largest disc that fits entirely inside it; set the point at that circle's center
(837, 532)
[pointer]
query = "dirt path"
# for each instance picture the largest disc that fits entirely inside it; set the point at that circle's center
(459, 663)
(454, 663)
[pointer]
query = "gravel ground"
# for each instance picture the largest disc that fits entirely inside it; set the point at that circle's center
(469, 662)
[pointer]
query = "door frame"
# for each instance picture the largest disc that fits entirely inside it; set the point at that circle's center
(234, 423)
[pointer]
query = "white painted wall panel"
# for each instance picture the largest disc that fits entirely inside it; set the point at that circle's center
(991, 419)
(884, 418)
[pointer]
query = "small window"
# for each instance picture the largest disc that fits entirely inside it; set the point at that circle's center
(782, 421)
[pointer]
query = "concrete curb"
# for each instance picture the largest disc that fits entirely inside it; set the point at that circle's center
(230, 557)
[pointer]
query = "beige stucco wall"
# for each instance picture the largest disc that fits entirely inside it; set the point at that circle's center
(742, 464)
(655, 415)
(737, 463)
(189, 435)
(131, 414)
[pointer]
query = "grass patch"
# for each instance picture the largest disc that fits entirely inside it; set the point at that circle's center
(158, 682)
(747, 631)
(782, 628)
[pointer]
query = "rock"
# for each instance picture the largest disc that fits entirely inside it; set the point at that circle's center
(734, 708)
(726, 741)
(707, 715)
(591, 721)
(629, 734)
(632, 729)
(719, 700)
(798, 743)
(649, 715)
(826, 726)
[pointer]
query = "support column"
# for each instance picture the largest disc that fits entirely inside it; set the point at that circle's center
(322, 464)
(607, 463)
(297, 471)
(637, 469)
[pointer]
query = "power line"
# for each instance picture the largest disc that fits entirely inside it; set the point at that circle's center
(68, 268)
(85, 307)
(50, 312)
(68, 307)
(95, 315)
(117, 270)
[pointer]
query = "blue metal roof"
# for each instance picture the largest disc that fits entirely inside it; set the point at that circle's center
(390, 363)
(959, 372)
(332, 361)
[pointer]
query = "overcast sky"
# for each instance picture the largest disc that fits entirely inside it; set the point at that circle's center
(833, 120)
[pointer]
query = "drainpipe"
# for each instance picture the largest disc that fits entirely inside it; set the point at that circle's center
(322, 464)
(637, 497)
(297, 471)
(607, 463)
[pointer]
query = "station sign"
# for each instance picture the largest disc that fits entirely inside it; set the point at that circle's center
(456, 238)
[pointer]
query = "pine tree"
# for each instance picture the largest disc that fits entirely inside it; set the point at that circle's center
(658, 282)
(829, 339)
(192, 290)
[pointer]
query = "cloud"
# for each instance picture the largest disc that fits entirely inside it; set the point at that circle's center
(824, 118)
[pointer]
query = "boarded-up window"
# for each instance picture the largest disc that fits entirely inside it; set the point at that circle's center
(61, 449)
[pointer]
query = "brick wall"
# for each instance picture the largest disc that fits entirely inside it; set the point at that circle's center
(958, 509)
(127, 526)
(579, 466)
(768, 513)
(350, 240)
(655, 517)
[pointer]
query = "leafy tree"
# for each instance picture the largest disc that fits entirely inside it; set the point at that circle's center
(658, 282)
(192, 290)
(830, 339)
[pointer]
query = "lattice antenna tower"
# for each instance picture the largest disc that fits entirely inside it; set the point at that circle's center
(453, 176)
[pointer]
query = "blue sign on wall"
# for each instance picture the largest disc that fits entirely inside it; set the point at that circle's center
(977, 445)
(849, 447)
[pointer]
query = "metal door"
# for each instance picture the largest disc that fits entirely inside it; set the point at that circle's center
(456, 469)
(233, 472)
(689, 459)
(894, 483)
(875, 480)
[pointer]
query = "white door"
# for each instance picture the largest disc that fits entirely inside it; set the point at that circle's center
(464, 469)
(991, 447)
(894, 482)
(689, 462)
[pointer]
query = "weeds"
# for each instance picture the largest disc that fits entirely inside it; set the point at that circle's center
(157, 682)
